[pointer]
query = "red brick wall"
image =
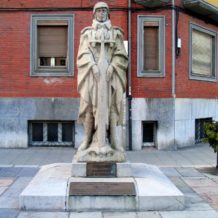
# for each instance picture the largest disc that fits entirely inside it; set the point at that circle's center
(152, 87)
(185, 87)
(15, 79)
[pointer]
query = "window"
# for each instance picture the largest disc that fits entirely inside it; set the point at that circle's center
(52, 45)
(149, 129)
(151, 46)
(199, 129)
(51, 133)
(202, 53)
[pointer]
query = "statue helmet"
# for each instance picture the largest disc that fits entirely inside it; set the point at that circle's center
(100, 5)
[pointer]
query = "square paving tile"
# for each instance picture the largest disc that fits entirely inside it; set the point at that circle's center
(6, 182)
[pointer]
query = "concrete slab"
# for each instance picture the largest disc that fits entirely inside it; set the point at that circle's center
(189, 214)
(79, 169)
(48, 191)
(120, 215)
(8, 213)
(148, 215)
(43, 215)
(86, 215)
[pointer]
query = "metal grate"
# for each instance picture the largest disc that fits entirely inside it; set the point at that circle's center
(51, 133)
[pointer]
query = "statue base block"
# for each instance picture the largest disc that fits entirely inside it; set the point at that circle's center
(52, 190)
(100, 154)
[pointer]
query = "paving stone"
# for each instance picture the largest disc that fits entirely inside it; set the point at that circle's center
(10, 198)
(206, 190)
(120, 215)
(200, 182)
(148, 215)
(170, 171)
(43, 215)
(193, 198)
(213, 200)
(8, 213)
(2, 189)
(6, 182)
(189, 172)
(190, 214)
(202, 206)
(181, 185)
(10, 171)
(86, 215)
(28, 172)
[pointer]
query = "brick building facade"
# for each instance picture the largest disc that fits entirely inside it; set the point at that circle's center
(172, 78)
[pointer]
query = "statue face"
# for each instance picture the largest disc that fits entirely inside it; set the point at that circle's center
(101, 14)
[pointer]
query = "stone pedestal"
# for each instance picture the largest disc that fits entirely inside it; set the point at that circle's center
(50, 190)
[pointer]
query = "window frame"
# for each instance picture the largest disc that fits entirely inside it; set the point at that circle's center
(45, 142)
(140, 46)
(212, 78)
(35, 70)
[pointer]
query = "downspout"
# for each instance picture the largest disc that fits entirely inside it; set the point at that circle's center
(129, 94)
(174, 40)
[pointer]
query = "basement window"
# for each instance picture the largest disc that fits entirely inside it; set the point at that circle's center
(52, 45)
(149, 129)
(51, 133)
(199, 129)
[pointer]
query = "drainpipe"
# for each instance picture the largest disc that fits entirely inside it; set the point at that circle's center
(129, 94)
(174, 40)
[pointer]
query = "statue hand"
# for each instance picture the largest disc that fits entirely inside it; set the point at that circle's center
(109, 72)
(96, 72)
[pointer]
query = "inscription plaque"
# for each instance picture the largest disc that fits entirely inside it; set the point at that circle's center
(101, 169)
(102, 189)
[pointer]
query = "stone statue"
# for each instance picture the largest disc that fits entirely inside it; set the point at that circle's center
(102, 63)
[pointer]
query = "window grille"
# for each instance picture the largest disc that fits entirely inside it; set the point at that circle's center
(51, 133)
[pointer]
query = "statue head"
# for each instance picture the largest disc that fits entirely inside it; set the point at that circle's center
(101, 11)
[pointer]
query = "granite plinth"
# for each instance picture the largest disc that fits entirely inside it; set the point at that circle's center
(49, 191)
(79, 169)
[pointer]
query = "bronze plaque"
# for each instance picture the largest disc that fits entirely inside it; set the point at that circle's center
(102, 189)
(101, 169)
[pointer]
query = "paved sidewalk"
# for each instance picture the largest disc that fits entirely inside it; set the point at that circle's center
(191, 170)
(200, 155)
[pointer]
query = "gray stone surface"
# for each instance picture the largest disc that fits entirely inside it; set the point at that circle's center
(10, 198)
(86, 215)
(8, 213)
(149, 215)
(78, 169)
(120, 215)
(189, 214)
(47, 191)
(43, 215)
(15, 113)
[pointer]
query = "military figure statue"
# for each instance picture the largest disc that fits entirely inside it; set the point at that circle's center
(102, 63)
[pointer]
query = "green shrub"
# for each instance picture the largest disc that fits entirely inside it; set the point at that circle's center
(211, 134)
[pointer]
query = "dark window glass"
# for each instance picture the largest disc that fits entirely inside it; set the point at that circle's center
(67, 130)
(52, 132)
(148, 132)
(199, 129)
(37, 132)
